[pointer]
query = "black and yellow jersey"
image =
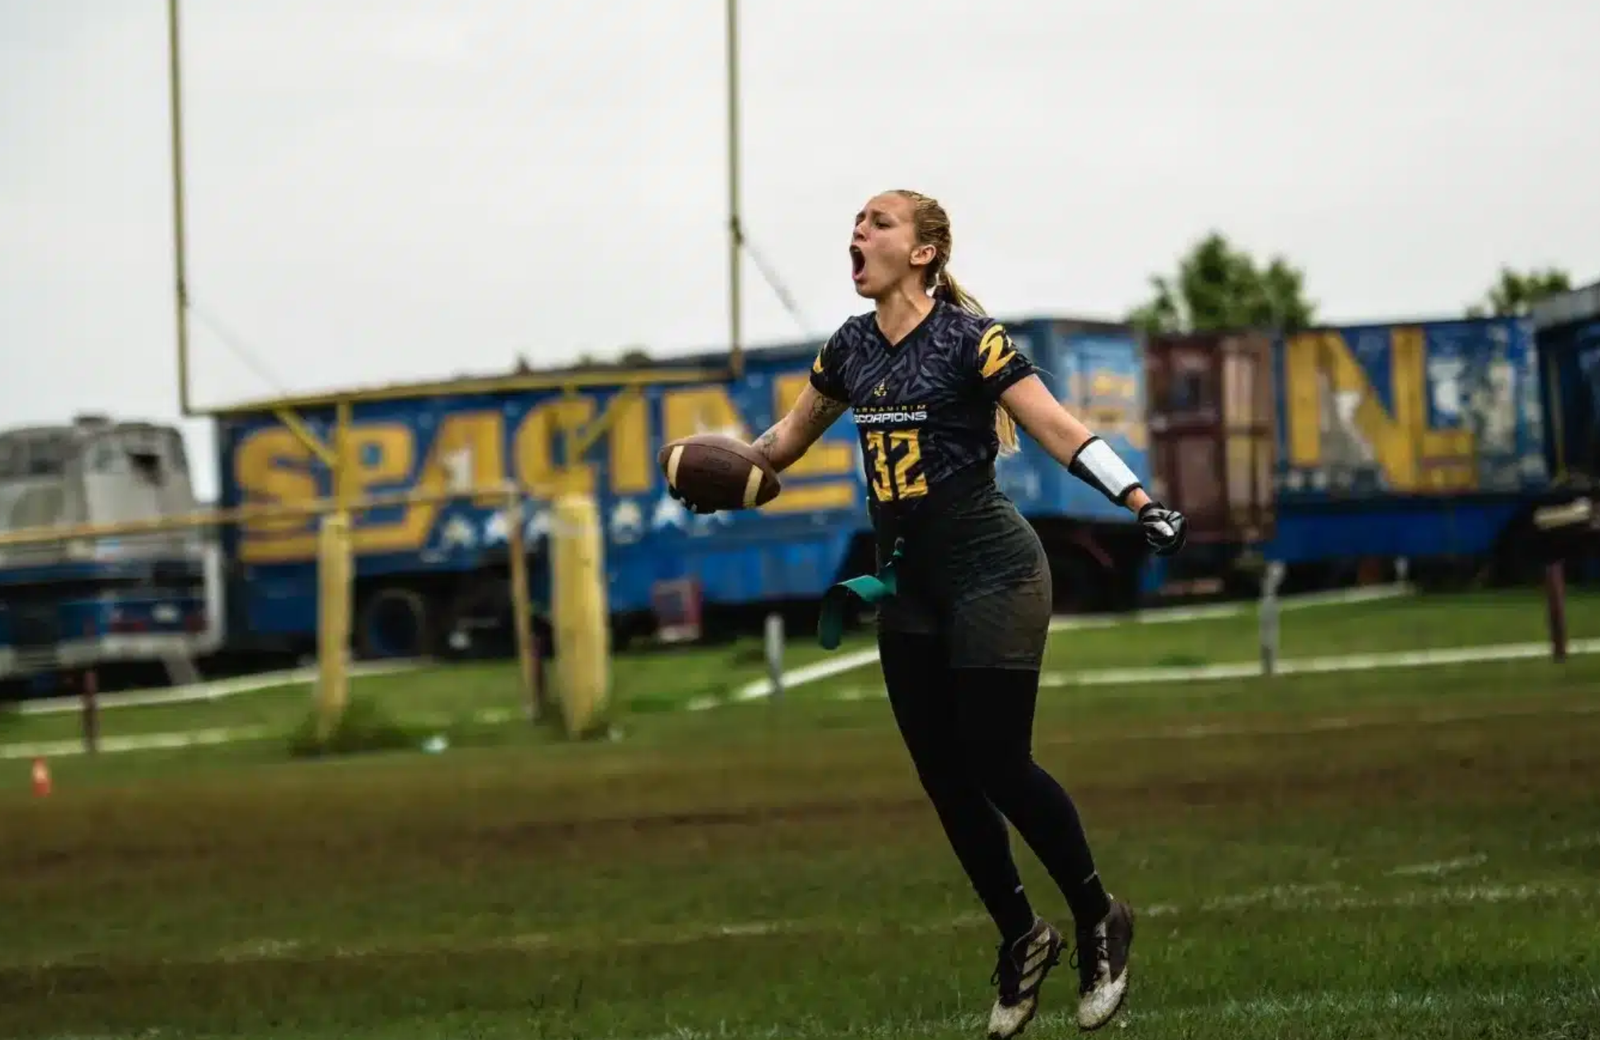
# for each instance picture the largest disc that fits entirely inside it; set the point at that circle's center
(924, 408)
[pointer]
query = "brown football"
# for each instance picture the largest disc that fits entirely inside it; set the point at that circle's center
(716, 471)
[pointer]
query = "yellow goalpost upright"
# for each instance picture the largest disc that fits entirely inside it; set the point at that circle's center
(579, 587)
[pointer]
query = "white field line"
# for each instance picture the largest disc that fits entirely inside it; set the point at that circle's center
(1311, 665)
(1290, 899)
(1290, 666)
(135, 742)
(214, 690)
(1237, 608)
(759, 688)
(1439, 867)
(221, 688)
(199, 737)
(1198, 731)
(810, 673)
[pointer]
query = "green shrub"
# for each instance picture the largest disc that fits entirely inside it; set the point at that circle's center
(364, 726)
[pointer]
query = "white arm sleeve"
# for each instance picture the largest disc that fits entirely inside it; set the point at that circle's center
(1103, 469)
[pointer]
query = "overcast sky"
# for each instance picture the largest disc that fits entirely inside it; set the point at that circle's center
(398, 189)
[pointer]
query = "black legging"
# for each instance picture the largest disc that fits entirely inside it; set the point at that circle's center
(970, 735)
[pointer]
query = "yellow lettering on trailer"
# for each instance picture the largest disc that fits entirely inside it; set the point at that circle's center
(476, 449)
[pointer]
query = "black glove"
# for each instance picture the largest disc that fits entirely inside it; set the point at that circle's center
(1164, 529)
(690, 506)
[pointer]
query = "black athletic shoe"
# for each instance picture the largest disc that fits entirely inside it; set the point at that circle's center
(1102, 962)
(1019, 973)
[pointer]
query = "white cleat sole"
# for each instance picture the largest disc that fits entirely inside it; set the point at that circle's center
(1101, 1005)
(1005, 1023)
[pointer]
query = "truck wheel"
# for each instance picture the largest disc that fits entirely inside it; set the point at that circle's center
(394, 622)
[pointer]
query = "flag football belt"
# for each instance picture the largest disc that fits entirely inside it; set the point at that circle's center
(874, 588)
(868, 588)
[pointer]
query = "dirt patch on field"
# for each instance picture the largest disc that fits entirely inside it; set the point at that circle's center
(860, 795)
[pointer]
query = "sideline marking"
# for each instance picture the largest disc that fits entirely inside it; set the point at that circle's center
(840, 663)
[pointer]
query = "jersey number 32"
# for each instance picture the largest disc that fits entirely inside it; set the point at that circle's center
(891, 457)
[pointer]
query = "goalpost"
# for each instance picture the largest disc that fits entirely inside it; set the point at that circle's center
(579, 599)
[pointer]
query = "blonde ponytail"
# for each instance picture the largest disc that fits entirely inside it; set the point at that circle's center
(1005, 428)
(950, 291)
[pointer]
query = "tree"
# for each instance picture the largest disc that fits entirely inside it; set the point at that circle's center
(1220, 287)
(632, 355)
(1515, 292)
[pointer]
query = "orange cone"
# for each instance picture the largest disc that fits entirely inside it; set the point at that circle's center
(41, 777)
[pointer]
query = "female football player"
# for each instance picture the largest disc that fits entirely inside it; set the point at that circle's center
(937, 390)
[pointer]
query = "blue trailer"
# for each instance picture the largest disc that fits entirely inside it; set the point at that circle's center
(1419, 441)
(427, 575)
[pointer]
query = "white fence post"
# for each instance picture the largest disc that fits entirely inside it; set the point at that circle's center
(774, 643)
(1269, 616)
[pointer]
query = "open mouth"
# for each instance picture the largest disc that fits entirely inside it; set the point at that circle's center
(858, 261)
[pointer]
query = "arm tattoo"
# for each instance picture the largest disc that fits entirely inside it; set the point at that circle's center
(824, 410)
(818, 417)
(767, 442)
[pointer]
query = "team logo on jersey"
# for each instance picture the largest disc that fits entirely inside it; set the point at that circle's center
(891, 415)
(994, 350)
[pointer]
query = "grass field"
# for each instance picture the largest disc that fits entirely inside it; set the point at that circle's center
(1387, 854)
(670, 680)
